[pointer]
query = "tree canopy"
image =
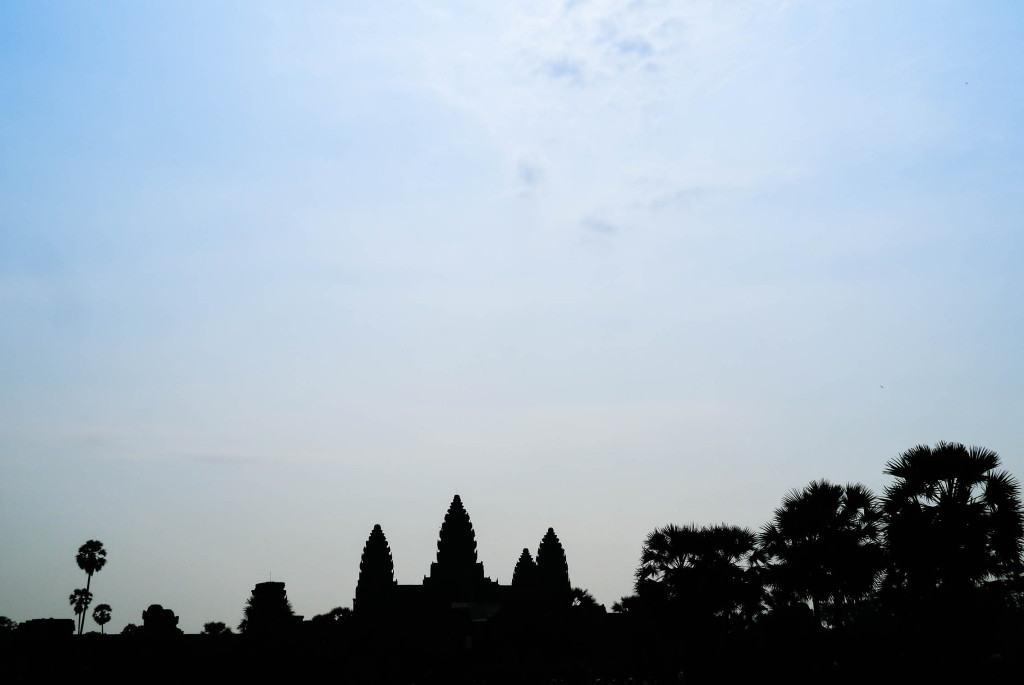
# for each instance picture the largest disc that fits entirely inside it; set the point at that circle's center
(823, 545)
(952, 519)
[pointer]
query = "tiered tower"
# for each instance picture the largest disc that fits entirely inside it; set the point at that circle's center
(376, 586)
(456, 575)
(553, 584)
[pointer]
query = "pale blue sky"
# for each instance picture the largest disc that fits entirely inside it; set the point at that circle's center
(271, 273)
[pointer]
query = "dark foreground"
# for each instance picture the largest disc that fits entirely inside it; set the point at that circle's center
(615, 653)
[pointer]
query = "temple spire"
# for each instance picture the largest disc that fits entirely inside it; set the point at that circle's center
(525, 572)
(456, 544)
(457, 568)
(376, 574)
(553, 572)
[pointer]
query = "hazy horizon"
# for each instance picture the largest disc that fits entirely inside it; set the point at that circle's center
(273, 273)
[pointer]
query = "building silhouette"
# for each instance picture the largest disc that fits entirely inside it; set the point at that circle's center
(457, 585)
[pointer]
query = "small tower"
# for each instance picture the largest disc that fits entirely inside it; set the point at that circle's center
(376, 585)
(553, 586)
(268, 611)
(523, 591)
(524, 577)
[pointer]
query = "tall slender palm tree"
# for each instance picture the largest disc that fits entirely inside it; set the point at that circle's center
(91, 558)
(101, 614)
(80, 600)
(823, 545)
(952, 520)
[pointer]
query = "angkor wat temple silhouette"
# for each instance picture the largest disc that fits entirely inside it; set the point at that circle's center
(456, 583)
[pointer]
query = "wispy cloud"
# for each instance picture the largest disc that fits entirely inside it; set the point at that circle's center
(565, 68)
(599, 226)
(222, 459)
(635, 45)
(682, 198)
(529, 174)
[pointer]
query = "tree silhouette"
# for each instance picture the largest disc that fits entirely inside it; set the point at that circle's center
(630, 604)
(823, 545)
(7, 625)
(101, 614)
(584, 603)
(335, 615)
(80, 600)
(953, 538)
(334, 622)
(216, 628)
(952, 520)
(91, 558)
(701, 573)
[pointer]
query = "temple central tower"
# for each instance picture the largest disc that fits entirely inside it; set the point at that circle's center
(456, 573)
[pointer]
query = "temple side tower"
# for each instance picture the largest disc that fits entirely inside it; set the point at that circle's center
(376, 585)
(553, 584)
(525, 573)
(523, 591)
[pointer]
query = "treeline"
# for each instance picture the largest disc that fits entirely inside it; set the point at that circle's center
(925, 578)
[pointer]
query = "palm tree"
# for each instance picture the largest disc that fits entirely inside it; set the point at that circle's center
(583, 598)
(628, 605)
(101, 614)
(704, 572)
(952, 520)
(583, 603)
(822, 545)
(80, 599)
(91, 558)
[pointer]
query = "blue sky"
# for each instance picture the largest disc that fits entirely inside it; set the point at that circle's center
(271, 273)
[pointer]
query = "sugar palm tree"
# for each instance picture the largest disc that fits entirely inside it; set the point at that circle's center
(703, 572)
(91, 558)
(101, 614)
(80, 600)
(823, 545)
(584, 603)
(952, 520)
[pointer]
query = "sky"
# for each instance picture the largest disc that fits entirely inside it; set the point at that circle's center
(272, 273)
